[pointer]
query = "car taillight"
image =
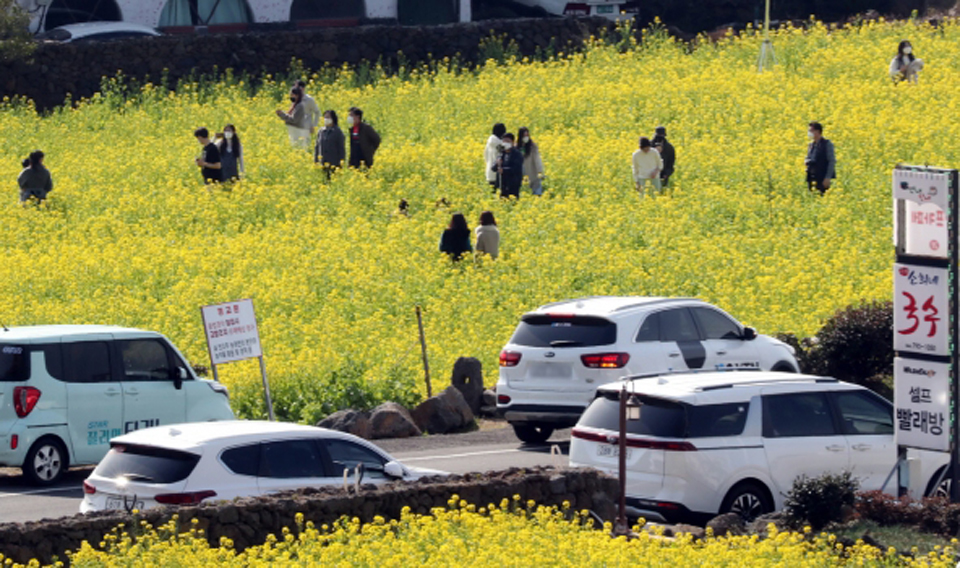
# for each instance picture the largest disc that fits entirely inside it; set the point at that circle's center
(503, 399)
(88, 488)
(509, 359)
(635, 442)
(184, 498)
(24, 399)
(605, 360)
(14, 441)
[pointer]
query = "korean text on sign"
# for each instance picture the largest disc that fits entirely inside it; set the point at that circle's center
(231, 330)
(921, 316)
(922, 402)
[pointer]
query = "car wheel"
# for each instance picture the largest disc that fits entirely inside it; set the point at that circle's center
(46, 462)
(749, 500)
(941, 489)
(784, 367)
(533, 433)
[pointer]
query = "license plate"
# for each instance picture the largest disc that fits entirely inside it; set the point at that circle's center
(550, 371)
(610, 451)
(119, 504)
(605, 9)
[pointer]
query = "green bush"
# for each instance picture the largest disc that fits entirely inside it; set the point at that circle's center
(818, 501)
(934, 515)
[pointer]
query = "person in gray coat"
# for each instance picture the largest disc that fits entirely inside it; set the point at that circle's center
(35, 179)
(330, 149)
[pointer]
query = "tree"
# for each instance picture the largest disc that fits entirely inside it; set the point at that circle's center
(15, 39)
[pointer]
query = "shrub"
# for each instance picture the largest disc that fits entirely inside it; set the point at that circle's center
(818, 501)
(856, 343)
(934, 515)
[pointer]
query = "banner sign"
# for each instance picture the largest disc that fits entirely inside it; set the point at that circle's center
(922, 187)
(232, 333)
(921, 309)
(926, 231)
(922, 402)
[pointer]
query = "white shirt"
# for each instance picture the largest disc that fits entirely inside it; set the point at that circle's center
(313, 110)
(646, 163)
(490, 155)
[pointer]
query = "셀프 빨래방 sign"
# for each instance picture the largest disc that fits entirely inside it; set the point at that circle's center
(922, 402)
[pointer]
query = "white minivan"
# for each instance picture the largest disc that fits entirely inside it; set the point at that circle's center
(66, 390)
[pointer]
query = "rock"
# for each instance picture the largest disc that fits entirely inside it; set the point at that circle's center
(489, 398)
(453, 397)
(349, 421)
(697, 532)
(444, 413)
(467, 377)
(759, 525)
(727, 524)
(390, 420)
(558, 484)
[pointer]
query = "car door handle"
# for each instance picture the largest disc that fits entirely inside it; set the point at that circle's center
(862, 447)
(836, 448)
(721, 353)
(674, 354)
(131, 391)
(111, 392)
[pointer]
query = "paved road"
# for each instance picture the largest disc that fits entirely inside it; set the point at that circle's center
(461, 453)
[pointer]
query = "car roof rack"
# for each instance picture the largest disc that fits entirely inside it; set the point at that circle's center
(656, 303)
(687, 372)
(769, 382)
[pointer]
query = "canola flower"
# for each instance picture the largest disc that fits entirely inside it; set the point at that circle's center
(504, 534)
(131, 237)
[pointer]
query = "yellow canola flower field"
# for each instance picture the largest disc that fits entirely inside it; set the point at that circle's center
(131, 237)
(508, 534)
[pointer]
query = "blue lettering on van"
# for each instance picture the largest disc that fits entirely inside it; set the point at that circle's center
(134, 425)
(100, 436)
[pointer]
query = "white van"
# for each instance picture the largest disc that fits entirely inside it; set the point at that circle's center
(66, 390)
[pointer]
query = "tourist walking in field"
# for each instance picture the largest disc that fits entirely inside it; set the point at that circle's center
(510, 168)
(35, 179)
(209, 160)
(821, 161)
(231, 154)
(298, 124)
(647, 165)
(488, 235)
(310, 106)
(667, 154)
(364, 140)
(455, 240)
(492, 152)
(330, 149)
(532, 163)
(905, 66)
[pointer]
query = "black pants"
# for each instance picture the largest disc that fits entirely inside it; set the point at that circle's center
(814, 183)
(664, 179)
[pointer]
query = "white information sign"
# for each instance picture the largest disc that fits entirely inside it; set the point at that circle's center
(922, 402)
(922, 187)
(926, 230)
(921, 309)
(231, 330)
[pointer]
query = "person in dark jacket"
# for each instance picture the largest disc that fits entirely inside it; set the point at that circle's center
(364, 140)
(821, 161)
(667, 154)
(455, 240)
(510, 168)
(331, 145)
(35, 179)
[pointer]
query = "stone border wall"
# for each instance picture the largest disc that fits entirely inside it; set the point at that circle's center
(56, 71)
(248, 521)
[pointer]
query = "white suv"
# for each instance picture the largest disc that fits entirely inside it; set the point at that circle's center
(66, 390)
(560, 353)
(735, 441)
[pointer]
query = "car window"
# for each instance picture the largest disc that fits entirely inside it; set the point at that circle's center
(650, 330)
(715, 325)
(290, 458)
(87, 362)
(862, 413)
(677, 325)
(14, 363)
(242, 460)
(544, 330)
(146, 463)
(795, 415)
(345, 454)
(716, 420)
(144, 360)
(658, 417)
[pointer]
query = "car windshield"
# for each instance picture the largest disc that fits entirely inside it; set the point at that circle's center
(545, 330)
(146, 463)
(667, 419)
(14, 363)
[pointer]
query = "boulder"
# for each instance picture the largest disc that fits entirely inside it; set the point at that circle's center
(467, 377)
(454, 397)
(349, 421)
(489, 406)
(390, 420)
(759, 525)
(698, 533)
(727, 524)
(444, 413)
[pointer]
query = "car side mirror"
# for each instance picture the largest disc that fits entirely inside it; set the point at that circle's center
(394, 469)
(179, 375)
(749, 334)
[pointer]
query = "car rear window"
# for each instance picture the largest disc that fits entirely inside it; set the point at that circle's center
(658, 417)
(544, 330)
(14, 363)
(146, 464)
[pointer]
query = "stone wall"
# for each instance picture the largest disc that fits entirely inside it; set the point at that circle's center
(57, 70)
(248, 521)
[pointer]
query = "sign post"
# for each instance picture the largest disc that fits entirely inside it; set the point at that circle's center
(233, 335)
(925, 317)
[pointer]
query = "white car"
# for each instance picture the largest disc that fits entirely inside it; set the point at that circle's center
(561, 352)
(97, 31)
(66, 390)
(735, 441)
(189, 463)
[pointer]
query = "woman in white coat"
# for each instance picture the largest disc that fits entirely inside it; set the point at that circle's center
(297, 119)
(905, 66)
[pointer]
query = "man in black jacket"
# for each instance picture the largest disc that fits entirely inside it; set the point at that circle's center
(667, 154)
(510, 167)
(821, 161)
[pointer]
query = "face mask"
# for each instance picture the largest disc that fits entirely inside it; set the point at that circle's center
(810, 134)
(350, 120)
(228, 135)
(907, 50)
(328, 122)
(526, 139)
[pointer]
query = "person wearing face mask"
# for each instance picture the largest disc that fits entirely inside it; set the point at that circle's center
(492, 152)
(532, 163)
(821, 161)
(510, 168)
(667, 153)
(364, 140)
(309, 105)
(331, 145)
(231, 154)
(298, 123)
(905, 66)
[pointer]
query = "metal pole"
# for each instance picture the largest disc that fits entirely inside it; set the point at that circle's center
(423, 350)
(621, 528)
(266, 389)
(213, 368)
(954, 367)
